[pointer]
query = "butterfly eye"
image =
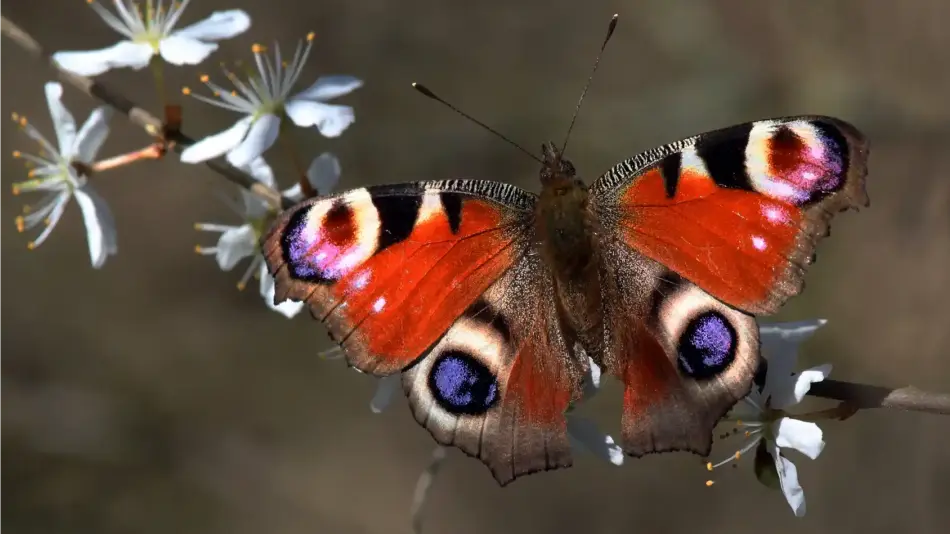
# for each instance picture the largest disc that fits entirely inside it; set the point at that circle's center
(461, 384)
(707, 346)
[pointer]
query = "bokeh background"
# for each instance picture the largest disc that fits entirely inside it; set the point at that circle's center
(152, 397)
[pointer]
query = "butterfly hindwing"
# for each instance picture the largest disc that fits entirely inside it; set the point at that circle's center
(498, 384)
(738, 211)
(389, 269)
(683, 356)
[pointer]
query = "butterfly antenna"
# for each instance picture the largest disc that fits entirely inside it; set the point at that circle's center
(425, 91)
(610, 31)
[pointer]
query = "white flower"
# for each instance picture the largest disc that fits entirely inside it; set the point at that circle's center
(239, 242)
(264, 100)
(153, 33)
(57, 172)
(582, 432)
(768, 426)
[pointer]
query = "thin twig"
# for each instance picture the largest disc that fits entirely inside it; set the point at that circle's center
(860, 396)
(140, 117)
(423, 485)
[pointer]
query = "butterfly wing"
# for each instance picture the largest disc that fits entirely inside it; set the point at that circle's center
(389, 269)
(697, 235)
(440, 280)
(498, 384)
(683, 356)
(738, 211)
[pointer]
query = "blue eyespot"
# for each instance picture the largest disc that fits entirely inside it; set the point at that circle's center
(707, 346)
(462, 385)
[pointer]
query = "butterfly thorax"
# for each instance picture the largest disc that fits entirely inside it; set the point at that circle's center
(566, 240)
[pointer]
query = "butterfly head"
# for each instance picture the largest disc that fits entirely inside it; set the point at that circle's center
(555, 170)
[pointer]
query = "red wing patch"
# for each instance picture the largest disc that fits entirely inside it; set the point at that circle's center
(390, 269)
(737, 244)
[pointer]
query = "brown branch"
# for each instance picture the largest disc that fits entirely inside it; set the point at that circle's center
(140, 117)
(858, 396)
(864, 396)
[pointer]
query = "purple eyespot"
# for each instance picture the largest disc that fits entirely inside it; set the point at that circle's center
(707, 347)
(462, 385)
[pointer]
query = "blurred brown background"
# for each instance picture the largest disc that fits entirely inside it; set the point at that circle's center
(152, 397)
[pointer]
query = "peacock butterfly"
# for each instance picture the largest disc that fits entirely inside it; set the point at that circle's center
(489, 299)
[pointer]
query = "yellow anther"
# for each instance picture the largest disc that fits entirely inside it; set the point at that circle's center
(241, 286)
(17, 154)
(198, 249)
(186, 90)
(31, 174)
(31, 245)
(216, 94)
(747, 433)
(47, 221)
(20, 224)
(204, 78)
(90, 1)
(258, 49)
(709, 483)
(738, 454)
(739, 423)
(27, 208)
(284, 64)
(16, 190)
(23, 121)
(311, 36)
(16, 116)
(233, 93)
(709, 466)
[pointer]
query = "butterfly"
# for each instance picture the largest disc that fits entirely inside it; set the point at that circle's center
(491, 300)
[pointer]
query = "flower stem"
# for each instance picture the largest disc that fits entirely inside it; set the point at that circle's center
(305, 187)
(153, 151)
(159, 75)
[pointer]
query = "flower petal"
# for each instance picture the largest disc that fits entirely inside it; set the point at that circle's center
(329, 119)
(780, 343)
(385, 388)
(179, 50)
(788, 478)
(92, 134)
(217, 144)
(220, 25)
(802, 436)
(260, 171)
(63, 121)
(288, 308)
(583, 433)
(327, 87)
(261, 136)
(592, 381)
(95, 62)
(234, 245)
(100, 225)
(324, 173)
(791, 394)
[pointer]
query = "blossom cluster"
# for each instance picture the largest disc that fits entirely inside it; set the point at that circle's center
(268, 102)
(264, 98)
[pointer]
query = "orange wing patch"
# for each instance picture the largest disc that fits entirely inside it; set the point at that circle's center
(390, 269)
(736, 244)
